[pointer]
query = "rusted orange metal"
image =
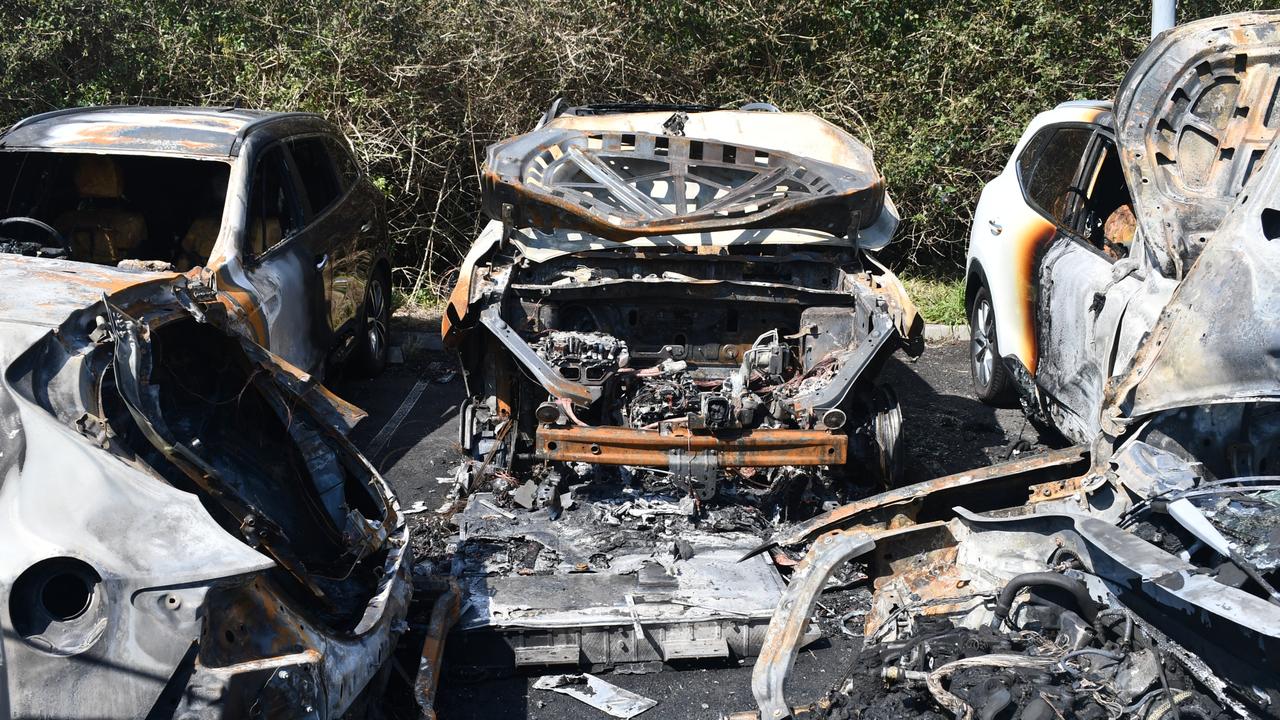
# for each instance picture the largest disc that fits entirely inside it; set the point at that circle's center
(444, 613)
(756, 448)
(457, 308)
(857, 513)
(1055, 489)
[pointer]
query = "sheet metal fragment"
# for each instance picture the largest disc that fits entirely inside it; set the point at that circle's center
(597, 693)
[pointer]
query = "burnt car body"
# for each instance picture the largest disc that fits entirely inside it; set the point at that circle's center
(1135, 575)
(1078, 245)
(188, 532)
(684, 289)
(270, 207)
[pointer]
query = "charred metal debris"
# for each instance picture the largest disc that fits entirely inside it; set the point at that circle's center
(189, 532)
(670, 333)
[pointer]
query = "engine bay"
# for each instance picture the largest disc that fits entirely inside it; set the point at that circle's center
(728, 347)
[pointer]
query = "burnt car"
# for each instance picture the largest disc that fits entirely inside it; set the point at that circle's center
(271, 208)
(1077, 246)
(687, 293)
(1134, 575)
(187, 530)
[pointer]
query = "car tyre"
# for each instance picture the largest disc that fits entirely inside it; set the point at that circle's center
(991, 381)
(375, 334)
(886, 422)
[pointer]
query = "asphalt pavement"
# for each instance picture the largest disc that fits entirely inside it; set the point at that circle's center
(410, 435)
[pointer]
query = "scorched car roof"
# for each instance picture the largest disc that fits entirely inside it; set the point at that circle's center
(209, 132)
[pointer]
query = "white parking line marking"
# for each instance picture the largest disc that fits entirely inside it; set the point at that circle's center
(384, 435)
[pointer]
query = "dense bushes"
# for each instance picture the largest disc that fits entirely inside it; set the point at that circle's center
(939, 91)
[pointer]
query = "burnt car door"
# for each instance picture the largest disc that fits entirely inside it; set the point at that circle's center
(338, 216)
(285, 262)
(1084, 278)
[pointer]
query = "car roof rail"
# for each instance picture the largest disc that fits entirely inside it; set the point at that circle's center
(636, 107)
(1100, 104)
(62, 111)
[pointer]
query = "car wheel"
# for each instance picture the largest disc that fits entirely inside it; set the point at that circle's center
(990, 377)
(890, 447)
(375, 337)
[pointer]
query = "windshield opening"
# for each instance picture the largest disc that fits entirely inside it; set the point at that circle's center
(105, 209)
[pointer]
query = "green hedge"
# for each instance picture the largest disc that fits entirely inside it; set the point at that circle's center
(940, 93)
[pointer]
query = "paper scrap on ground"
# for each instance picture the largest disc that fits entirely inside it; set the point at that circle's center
(597, 693)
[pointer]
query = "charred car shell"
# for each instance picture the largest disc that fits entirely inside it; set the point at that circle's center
(1133, 576)
(271, 207)
(684, 290)
(188, 532)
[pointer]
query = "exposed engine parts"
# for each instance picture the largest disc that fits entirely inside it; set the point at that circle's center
(716, 320)
(590, 358)
(701, 398)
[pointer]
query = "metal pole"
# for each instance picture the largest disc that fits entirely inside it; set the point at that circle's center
(1163, 15)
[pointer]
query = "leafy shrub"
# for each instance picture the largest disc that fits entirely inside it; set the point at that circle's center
(940, 91)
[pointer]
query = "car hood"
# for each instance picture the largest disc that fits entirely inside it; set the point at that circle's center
(1195, 114)
(1218, 338)
(42, 293)
(661, 173)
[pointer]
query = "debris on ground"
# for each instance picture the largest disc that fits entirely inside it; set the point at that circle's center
(597, 693)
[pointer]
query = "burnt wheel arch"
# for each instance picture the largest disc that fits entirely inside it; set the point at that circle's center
(994, 387)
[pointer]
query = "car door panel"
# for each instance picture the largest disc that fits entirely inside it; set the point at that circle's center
(285, 264)
(1072, 281)
(1083, 295)
(348, 226)
(279, 281)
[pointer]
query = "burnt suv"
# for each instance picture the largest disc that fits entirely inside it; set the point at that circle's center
(270, 207)
(687, 294)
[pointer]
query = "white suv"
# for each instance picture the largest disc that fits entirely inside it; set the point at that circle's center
(1058, 216)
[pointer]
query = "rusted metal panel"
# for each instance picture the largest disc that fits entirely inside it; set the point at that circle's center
(778, 655)
(444, 614)
(623, 184)
(755, 448)
(1056, 461)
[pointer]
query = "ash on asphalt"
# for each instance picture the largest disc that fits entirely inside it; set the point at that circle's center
(411, 437)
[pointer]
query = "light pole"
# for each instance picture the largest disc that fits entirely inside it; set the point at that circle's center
(1163, 15)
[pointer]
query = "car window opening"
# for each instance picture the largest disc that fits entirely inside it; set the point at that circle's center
(1105, 218)
(274, 213)
(114, 208)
